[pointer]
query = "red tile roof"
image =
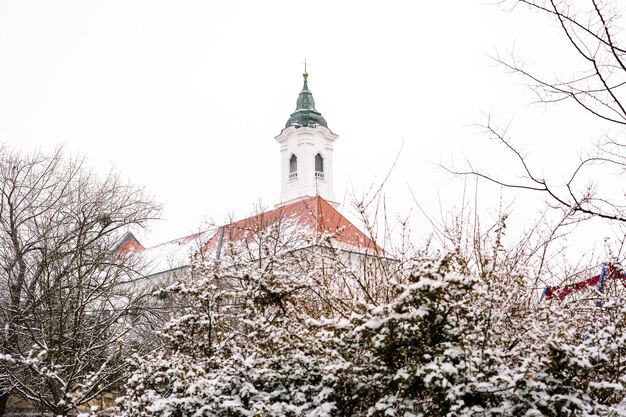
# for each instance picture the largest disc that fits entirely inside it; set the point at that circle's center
(299, 224)
(126, 244)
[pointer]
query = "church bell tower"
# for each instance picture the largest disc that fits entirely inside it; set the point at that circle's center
(306, 153)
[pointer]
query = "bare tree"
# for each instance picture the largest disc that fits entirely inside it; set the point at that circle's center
(597, 86)
(67, 301)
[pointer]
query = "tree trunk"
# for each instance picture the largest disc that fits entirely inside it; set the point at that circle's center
(4, 399)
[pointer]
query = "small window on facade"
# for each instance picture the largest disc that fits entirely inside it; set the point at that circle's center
(293, 167)
(293, 164)
(319, 167)
(319, 163)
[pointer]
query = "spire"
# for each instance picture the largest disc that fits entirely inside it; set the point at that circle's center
(305, 114)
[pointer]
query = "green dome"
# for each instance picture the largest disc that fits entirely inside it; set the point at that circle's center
(305, 114)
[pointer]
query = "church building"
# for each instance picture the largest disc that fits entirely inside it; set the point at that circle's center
(306, 213)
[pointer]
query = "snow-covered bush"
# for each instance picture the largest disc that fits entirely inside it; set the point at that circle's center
(458, 334)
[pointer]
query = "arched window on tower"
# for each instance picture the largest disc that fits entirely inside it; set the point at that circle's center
(293, 168)
(319, 167)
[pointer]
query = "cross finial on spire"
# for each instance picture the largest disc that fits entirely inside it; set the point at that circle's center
(306, 74)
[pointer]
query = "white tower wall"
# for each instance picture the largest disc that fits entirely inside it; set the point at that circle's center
(305, 143)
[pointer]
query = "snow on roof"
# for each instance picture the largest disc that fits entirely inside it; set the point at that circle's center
(175, 253)
(294, 226)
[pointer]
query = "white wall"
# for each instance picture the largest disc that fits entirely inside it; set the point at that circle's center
(305, 143)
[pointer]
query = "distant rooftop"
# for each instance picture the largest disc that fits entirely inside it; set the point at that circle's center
(300, 224)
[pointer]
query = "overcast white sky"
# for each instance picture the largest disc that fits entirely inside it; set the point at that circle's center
(185, 97)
